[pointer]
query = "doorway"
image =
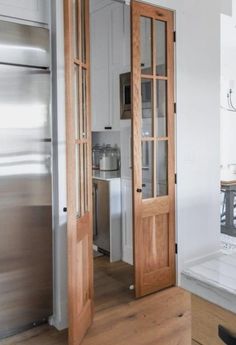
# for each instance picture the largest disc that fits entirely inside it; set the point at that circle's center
(144, 123)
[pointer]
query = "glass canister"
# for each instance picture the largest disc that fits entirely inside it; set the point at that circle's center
(108, 159)
(116, 153)
(96, 153)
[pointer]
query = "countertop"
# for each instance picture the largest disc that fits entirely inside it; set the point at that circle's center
(106, 175)
(214, 279)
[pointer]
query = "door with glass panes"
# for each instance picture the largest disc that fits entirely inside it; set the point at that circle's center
(153, 148)
(79, 192)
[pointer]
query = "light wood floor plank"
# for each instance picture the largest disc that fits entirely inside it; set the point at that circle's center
(159, 319)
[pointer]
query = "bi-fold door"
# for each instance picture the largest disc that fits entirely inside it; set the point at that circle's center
(153, 148)
(153, 156)
(79, 169)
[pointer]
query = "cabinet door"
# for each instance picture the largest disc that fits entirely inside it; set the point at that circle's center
(100, 77)
(116, 61)
(107, 62)
(127, 43)
(33, 10)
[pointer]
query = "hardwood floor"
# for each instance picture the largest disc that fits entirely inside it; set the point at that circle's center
(111, 283)
(160, 319)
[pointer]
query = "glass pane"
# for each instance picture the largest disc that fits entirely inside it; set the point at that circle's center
(83, 30)
(76, 101)
(146, 45)
(84, 103)
(161, 64)
(161, 108)
(75, 28)
(147, 118)
(85, 182)
(77, 176)
(147, 169)
(162, 168)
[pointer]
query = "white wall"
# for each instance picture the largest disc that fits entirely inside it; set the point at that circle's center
(228, 80)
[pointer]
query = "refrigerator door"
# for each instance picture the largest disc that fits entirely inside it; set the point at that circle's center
(25, 199)
(24, 45)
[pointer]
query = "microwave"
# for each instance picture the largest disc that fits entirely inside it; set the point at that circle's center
(125, 96)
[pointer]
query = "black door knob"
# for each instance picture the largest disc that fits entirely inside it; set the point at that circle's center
(226, 336)
(139, 190)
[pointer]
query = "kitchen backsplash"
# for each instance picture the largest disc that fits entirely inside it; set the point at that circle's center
(108, 138)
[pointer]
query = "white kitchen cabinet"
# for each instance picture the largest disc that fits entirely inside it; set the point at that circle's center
(127, 40)
(31, 10)
(127, 220)
(107, 213)
(107, 63)
(126, 192)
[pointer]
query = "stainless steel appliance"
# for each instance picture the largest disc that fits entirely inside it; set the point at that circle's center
(101, 221)
(25, 178)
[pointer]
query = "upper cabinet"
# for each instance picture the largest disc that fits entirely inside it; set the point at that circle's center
(32, 10)
(109, 58)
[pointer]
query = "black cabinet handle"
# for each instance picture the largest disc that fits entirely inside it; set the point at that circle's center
(139, 190)
(65, 209)
(109, 127)
(226, 336)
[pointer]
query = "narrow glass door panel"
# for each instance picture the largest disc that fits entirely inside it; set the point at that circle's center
(162, 168)
(76, 102)
(85, 177)
(83, 32)
(147, 109)
(84, 104)
(161, 111)
(75, 25)
(160, 34)
(147, 169)
(77, 180)
(146, 45)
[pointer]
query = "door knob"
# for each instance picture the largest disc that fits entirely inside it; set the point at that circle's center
(139, 190)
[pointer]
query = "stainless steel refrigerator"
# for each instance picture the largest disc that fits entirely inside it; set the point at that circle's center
(25, 178)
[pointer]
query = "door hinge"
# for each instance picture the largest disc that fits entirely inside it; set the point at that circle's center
(175, 178)
(175, 108)
(176, 248)
(174, 36)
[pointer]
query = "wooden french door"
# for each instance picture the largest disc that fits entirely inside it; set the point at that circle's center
(79, 208)
(153, 148)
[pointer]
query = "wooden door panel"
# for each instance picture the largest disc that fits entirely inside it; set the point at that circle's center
(153, 148)
(155, 243)
(79, 191)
